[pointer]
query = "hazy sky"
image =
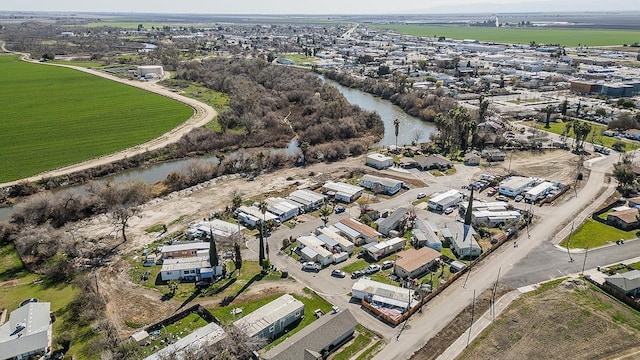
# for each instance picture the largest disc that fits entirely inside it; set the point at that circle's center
(314, 6)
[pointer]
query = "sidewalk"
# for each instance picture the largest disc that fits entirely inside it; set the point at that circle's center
(478, 326)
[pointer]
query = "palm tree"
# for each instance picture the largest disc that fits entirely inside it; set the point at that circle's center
(263, 209)
(396, 125)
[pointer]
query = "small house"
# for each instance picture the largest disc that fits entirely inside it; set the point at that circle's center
(271, 319)
(435, 161)
(462, 240)
(625, 219)
(423, 235)
(311, 248)
(471, 159)
(627, 283)
(356, 231)
(344, 244)
(282, 208)
(444, 200)
(379, 250)
(379, 161)
(412, 263)
(184, 249)
(189, 269)
(342, 191)
(309, 200)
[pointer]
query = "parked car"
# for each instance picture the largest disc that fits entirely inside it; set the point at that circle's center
(372, 269)
(388, 264)
(311, 266)
(502, 198)
(491, 192)
(421, 195)
(338, 273)
(361, 254)
(448, 210)
(356, 274)
(518, 198)
(31, 300)
(203, 284)
(339, 209)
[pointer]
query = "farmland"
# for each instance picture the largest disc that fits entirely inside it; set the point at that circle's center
(55, 116)
(565, 37)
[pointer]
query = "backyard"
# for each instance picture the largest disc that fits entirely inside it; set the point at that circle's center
(593, 234)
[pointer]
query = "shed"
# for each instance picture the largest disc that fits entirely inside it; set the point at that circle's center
(379, 161)
(140, 337)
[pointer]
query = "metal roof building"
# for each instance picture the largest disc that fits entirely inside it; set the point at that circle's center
(272, 318)
(27, 332)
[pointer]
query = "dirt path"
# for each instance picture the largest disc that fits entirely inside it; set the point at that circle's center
(202, 114)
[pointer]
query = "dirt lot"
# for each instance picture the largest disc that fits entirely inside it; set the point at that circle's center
(565, 322)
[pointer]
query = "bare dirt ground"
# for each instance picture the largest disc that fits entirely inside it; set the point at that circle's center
(567, 322)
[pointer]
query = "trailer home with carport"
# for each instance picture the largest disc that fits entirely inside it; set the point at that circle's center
(515, 185)
(282, 208)
(539, 191)
(444, 200)
(356, 231)
(313, 249)
(271, 319)
(309, 200)
(345, 245)
(381, 184)
(342, 191)
(377, 251)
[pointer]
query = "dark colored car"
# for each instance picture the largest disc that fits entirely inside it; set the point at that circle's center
(356, 274)
(339, 209)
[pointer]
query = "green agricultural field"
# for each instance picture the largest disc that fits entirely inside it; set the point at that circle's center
(566, 37)
(54, 116)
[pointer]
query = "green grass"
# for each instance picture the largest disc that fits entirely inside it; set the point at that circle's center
(357, 265)
(361, 341)
(635, 265)
(593, 234)
(55, 116)
(371, 351)
(216, 99)
(596, 129)
(178, 329)
(223, 314)
(546, 286)
(11, 266)
(565, 37)
(154, 228)
(299, 59)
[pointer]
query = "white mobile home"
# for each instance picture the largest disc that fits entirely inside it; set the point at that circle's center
(539, 191)
(313, 249)
(222, 230)
(252, 216)
(394, 221)
(379, 161)
(343, 192)
(515, 185)
(184, 249)
(271, 319)
(444, 200)
(282, 208)
(344, 244)
(494, 218)
(383, 293)
(356, 231)
(309, 200)
(189, 269)
(379, 250)
(381, 184)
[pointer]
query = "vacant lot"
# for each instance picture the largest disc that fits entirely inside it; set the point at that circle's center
(55, 116)
(565, 37)
(564, 321)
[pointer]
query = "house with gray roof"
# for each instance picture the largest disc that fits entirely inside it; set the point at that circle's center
(317, 339)
(271, 319)
(627, 283)
(381, 184)
(27, 333)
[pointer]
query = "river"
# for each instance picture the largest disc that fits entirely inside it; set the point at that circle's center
(387, 111)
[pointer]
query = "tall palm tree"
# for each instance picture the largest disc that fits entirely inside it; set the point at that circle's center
(396, 125)
(263, 209)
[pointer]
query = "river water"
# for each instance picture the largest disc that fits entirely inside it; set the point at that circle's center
(387, 111)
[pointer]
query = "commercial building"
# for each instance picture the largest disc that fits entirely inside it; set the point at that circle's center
(412, 263)
(379, 161)
(444, 200)
(28, 332)
(343, 192)
(317, 339)
(271, 319)
(381, 184)
(515, 185)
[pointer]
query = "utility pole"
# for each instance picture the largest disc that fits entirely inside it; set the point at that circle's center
(584, 263)
(569, 241)
(473, 309)
(493, 296)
